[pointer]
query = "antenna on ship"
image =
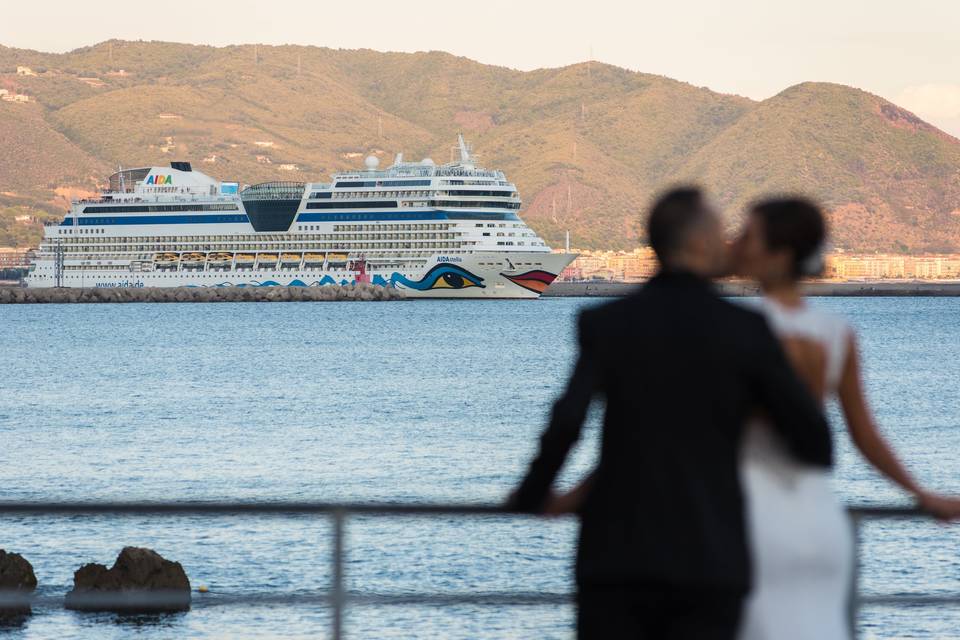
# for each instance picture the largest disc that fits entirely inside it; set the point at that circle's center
(465, 158)
(123, 186)
(567, 244)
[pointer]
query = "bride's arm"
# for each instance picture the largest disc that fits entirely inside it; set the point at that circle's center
(868, 439)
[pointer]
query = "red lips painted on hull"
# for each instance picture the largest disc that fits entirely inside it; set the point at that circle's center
(536, 280)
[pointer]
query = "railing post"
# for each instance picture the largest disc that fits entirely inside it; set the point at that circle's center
(337, 590)
(853, 597)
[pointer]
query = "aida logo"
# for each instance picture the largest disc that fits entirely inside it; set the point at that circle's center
(159, 179)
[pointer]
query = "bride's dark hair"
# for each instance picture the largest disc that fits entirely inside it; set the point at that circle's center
(796, 224)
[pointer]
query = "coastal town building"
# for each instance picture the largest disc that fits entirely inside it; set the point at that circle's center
(893, 267)
(640, 264)
(14, 257)
(620, 266)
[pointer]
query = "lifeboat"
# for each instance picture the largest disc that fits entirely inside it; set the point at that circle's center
(245, 259)
(313, 258)
(220, 259)
(193, 259)
(267, 258)
(290, 258)
(341, 258)
(165, 258)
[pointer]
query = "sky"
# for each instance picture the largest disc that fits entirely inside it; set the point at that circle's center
(907, 52)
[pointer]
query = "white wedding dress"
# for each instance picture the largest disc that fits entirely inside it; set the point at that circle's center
(800, 537)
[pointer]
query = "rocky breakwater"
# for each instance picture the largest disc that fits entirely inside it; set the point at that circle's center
(141, 580)
(358, 291)
(17, 584)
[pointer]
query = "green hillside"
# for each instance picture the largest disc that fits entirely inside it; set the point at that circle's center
(588, 144)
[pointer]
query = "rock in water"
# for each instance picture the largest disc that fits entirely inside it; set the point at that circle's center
(141, 580)
(17, 583)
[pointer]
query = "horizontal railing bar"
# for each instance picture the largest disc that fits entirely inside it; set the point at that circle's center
(908, 600)
(359, 508)
(392, 599)
(886, 513)
(107, 600)
(231, 508)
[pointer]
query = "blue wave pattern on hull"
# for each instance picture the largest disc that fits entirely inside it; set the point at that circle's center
(442, 276)
(296, 282)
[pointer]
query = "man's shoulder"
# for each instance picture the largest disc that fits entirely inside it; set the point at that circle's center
(742, 312)
(647, 302)
(738, 321)
(608, 312)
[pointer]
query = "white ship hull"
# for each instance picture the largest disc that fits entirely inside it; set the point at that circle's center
(481, 275)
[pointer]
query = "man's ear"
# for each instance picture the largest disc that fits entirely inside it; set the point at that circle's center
(697, 243)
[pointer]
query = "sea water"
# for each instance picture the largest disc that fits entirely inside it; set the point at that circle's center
(436, 401)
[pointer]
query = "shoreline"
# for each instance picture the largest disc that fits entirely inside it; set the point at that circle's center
(357, 292)
(747, 289)
(20, 295)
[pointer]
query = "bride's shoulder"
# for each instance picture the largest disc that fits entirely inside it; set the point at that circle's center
(829, 320)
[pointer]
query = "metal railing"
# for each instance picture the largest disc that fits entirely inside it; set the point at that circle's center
(337, 597)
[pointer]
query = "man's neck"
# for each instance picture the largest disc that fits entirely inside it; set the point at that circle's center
(691, 265)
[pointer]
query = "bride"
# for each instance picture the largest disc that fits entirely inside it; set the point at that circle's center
(801, 540)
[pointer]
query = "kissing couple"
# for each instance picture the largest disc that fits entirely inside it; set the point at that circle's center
(710, 513)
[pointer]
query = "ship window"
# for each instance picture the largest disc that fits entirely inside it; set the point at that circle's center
(362, 204)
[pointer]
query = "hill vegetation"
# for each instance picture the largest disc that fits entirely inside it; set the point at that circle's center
(588, 145)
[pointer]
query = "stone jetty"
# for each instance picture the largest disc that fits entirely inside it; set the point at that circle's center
(358, 291)
(141, 580)
(17, 584)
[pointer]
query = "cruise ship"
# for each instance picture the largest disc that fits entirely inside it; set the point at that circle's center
(449, 230)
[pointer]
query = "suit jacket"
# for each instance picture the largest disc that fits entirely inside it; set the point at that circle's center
(681, 371)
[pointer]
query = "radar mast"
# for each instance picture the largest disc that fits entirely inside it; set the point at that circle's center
(465, 156)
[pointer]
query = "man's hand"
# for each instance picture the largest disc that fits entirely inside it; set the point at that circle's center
(559, 504)
(512, 503)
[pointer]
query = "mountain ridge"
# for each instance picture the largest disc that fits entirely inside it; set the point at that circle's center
(588, 144)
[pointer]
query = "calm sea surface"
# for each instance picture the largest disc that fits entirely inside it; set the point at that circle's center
(413, 401)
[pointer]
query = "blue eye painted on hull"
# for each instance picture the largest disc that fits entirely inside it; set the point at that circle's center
(442, 276)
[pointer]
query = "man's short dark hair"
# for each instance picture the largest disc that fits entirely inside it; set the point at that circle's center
(672, 217)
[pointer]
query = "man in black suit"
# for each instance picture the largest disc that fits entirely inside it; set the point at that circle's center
(663, 549)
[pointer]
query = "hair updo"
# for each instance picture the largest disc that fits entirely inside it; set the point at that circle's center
(795, 224)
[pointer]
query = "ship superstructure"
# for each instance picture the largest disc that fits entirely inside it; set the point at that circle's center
(450, 230)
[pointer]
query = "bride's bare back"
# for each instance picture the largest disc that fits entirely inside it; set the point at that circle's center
(809, 360)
